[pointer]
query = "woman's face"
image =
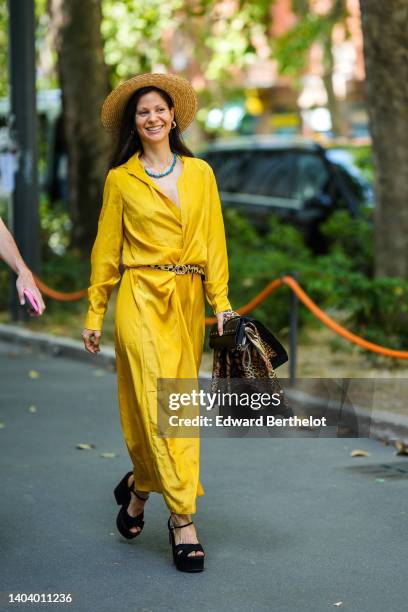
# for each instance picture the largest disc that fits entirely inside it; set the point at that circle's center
(153, 118)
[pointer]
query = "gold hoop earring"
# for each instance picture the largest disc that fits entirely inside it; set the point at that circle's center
(174, 124)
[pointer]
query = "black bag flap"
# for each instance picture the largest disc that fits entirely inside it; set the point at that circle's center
(233, 331)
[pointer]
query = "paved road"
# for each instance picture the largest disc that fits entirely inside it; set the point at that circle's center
(285, 526)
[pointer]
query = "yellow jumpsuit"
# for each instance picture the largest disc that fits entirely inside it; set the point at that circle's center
(159, 318)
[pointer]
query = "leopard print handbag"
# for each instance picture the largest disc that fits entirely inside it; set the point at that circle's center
(252, 361)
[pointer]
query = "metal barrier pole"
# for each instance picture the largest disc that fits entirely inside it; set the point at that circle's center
(24, 221)
(293, 324)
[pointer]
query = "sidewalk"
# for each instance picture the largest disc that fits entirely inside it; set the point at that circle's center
(286, 524)
(384, 425)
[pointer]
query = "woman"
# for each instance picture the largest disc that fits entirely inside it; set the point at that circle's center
(162, 216)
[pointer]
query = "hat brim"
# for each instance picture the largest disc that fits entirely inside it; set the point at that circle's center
(180, 90)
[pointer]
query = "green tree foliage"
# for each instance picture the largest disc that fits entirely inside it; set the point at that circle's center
(44, 81)
(219, 41)
(291, 48)
(134, 34)
(227, 38)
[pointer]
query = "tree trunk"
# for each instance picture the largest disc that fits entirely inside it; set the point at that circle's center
(339, 127)
(386, 58)
(337, 14)
(76, 26)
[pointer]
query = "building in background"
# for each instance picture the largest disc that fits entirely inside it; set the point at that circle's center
(280, 104)
(284, 108)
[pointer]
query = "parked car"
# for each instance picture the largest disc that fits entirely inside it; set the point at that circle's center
(297, 179)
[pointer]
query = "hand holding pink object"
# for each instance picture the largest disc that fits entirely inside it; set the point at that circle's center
(34, 309)
(11, 255)
(25, 282)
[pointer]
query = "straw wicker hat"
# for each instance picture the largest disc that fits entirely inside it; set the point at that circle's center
(179, 89)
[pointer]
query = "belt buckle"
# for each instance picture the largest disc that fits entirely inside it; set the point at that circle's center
(180, 268)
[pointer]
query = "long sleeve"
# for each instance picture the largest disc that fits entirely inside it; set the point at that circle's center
(106, 254)
(216, 273)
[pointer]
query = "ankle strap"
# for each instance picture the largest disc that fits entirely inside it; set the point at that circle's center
(132, 488)
(181, 526)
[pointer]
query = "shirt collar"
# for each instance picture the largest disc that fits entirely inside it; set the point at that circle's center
(134, 166)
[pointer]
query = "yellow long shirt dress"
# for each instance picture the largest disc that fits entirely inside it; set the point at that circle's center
(160, 315)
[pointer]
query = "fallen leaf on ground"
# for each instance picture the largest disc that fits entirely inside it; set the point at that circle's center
(2, 425)
(99, 373)
(32, 409)
(85, 446)
(402, 449)
(108, 455)
(357, 452)
(33, 374)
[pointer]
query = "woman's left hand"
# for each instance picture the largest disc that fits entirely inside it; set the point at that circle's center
(220, 319)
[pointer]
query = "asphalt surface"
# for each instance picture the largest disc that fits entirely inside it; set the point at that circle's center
(285, 525)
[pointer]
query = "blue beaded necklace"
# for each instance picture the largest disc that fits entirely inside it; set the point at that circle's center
(165, 173)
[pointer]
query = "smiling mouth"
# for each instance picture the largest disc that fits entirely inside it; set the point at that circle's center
(154, 129)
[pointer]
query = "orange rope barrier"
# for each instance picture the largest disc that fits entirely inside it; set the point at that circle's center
(58, 295)
(319, 314)
(258, 299)
(339, 329)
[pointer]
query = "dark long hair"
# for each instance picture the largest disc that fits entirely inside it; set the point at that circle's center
(128, 143)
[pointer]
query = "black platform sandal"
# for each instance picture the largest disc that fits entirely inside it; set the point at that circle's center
(183, 562)
(125, 522)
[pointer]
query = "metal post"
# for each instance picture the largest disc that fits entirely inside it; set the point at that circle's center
(24, 219)
(293, 324)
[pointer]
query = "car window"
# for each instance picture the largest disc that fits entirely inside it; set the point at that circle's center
(214, 159)
(311, 175)
(267, 173)
(351, 191)
(227, 167)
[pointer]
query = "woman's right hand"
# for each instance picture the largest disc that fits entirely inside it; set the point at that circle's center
(91, 338)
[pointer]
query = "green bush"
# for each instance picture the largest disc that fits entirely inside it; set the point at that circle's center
(255, 261)
(363, 158)
(62, 268)
(377, 309)
(340, 282)
(352, 236)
